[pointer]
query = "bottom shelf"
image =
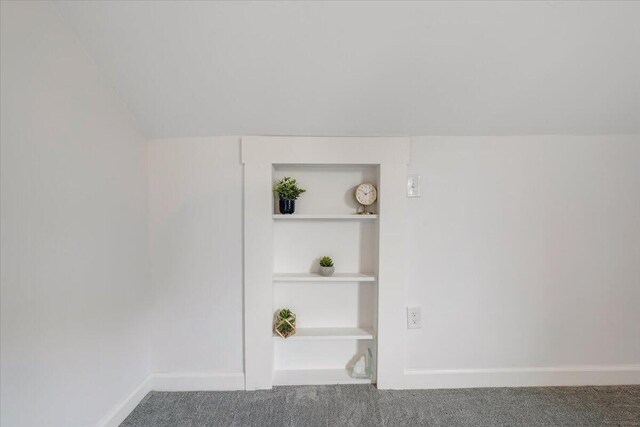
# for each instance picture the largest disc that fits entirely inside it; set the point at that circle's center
(316, 377)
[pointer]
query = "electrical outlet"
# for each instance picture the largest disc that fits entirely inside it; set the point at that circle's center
(414, 318)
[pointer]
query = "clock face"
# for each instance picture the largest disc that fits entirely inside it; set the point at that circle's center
(366, 194)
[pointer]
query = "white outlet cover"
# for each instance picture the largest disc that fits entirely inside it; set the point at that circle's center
(413, 185)
(414, 318)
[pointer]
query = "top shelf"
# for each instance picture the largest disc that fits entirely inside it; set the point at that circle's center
(328, 216)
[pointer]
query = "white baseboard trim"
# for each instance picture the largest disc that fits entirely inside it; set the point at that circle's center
(523, 377)
(413, 379)
(122, 410)
(190, 381)
(198, 381)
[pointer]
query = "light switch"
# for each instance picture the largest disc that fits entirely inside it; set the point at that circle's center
(413, 185)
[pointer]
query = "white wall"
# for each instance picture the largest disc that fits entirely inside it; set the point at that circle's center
(195, 226)
(75, 287)
(523, 252)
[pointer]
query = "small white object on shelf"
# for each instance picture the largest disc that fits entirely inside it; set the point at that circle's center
(363, 367)
(359, 368)
(327, 271)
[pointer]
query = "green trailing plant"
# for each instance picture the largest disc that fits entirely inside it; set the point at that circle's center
(326, 261)
(287, 189)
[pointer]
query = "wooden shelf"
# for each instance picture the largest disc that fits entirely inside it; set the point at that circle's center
(315, 377)
(326, 216)
(329, 334)
(313, 277)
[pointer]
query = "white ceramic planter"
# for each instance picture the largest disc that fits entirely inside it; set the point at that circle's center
(327, 271)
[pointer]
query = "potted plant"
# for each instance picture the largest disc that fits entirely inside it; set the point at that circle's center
(288, 191)
(326, 266)
(285, 323)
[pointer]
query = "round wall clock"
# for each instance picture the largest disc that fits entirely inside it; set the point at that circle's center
(366, 195)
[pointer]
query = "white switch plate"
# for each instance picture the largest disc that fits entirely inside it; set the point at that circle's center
(414, 318)
(413, 185)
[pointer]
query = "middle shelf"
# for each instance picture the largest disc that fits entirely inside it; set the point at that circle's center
(314, 277)
(329, 334)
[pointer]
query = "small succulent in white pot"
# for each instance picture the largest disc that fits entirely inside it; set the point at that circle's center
(326, 266)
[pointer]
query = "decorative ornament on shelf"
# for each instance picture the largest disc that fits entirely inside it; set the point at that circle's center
(359, 368)
(288, 191)
(326, 266)
(285, 323)
(366, 195)
(363, 368)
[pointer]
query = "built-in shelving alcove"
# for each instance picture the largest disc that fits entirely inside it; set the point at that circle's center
(336, 315)
(341, 317)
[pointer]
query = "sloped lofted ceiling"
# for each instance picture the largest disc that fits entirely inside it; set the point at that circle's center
(369, 68)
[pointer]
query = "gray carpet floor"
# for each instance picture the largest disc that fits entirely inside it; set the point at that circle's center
(360, 405)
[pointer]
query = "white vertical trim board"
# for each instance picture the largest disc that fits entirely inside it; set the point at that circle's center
(391, 274)
(258, 270)
(523, 377)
